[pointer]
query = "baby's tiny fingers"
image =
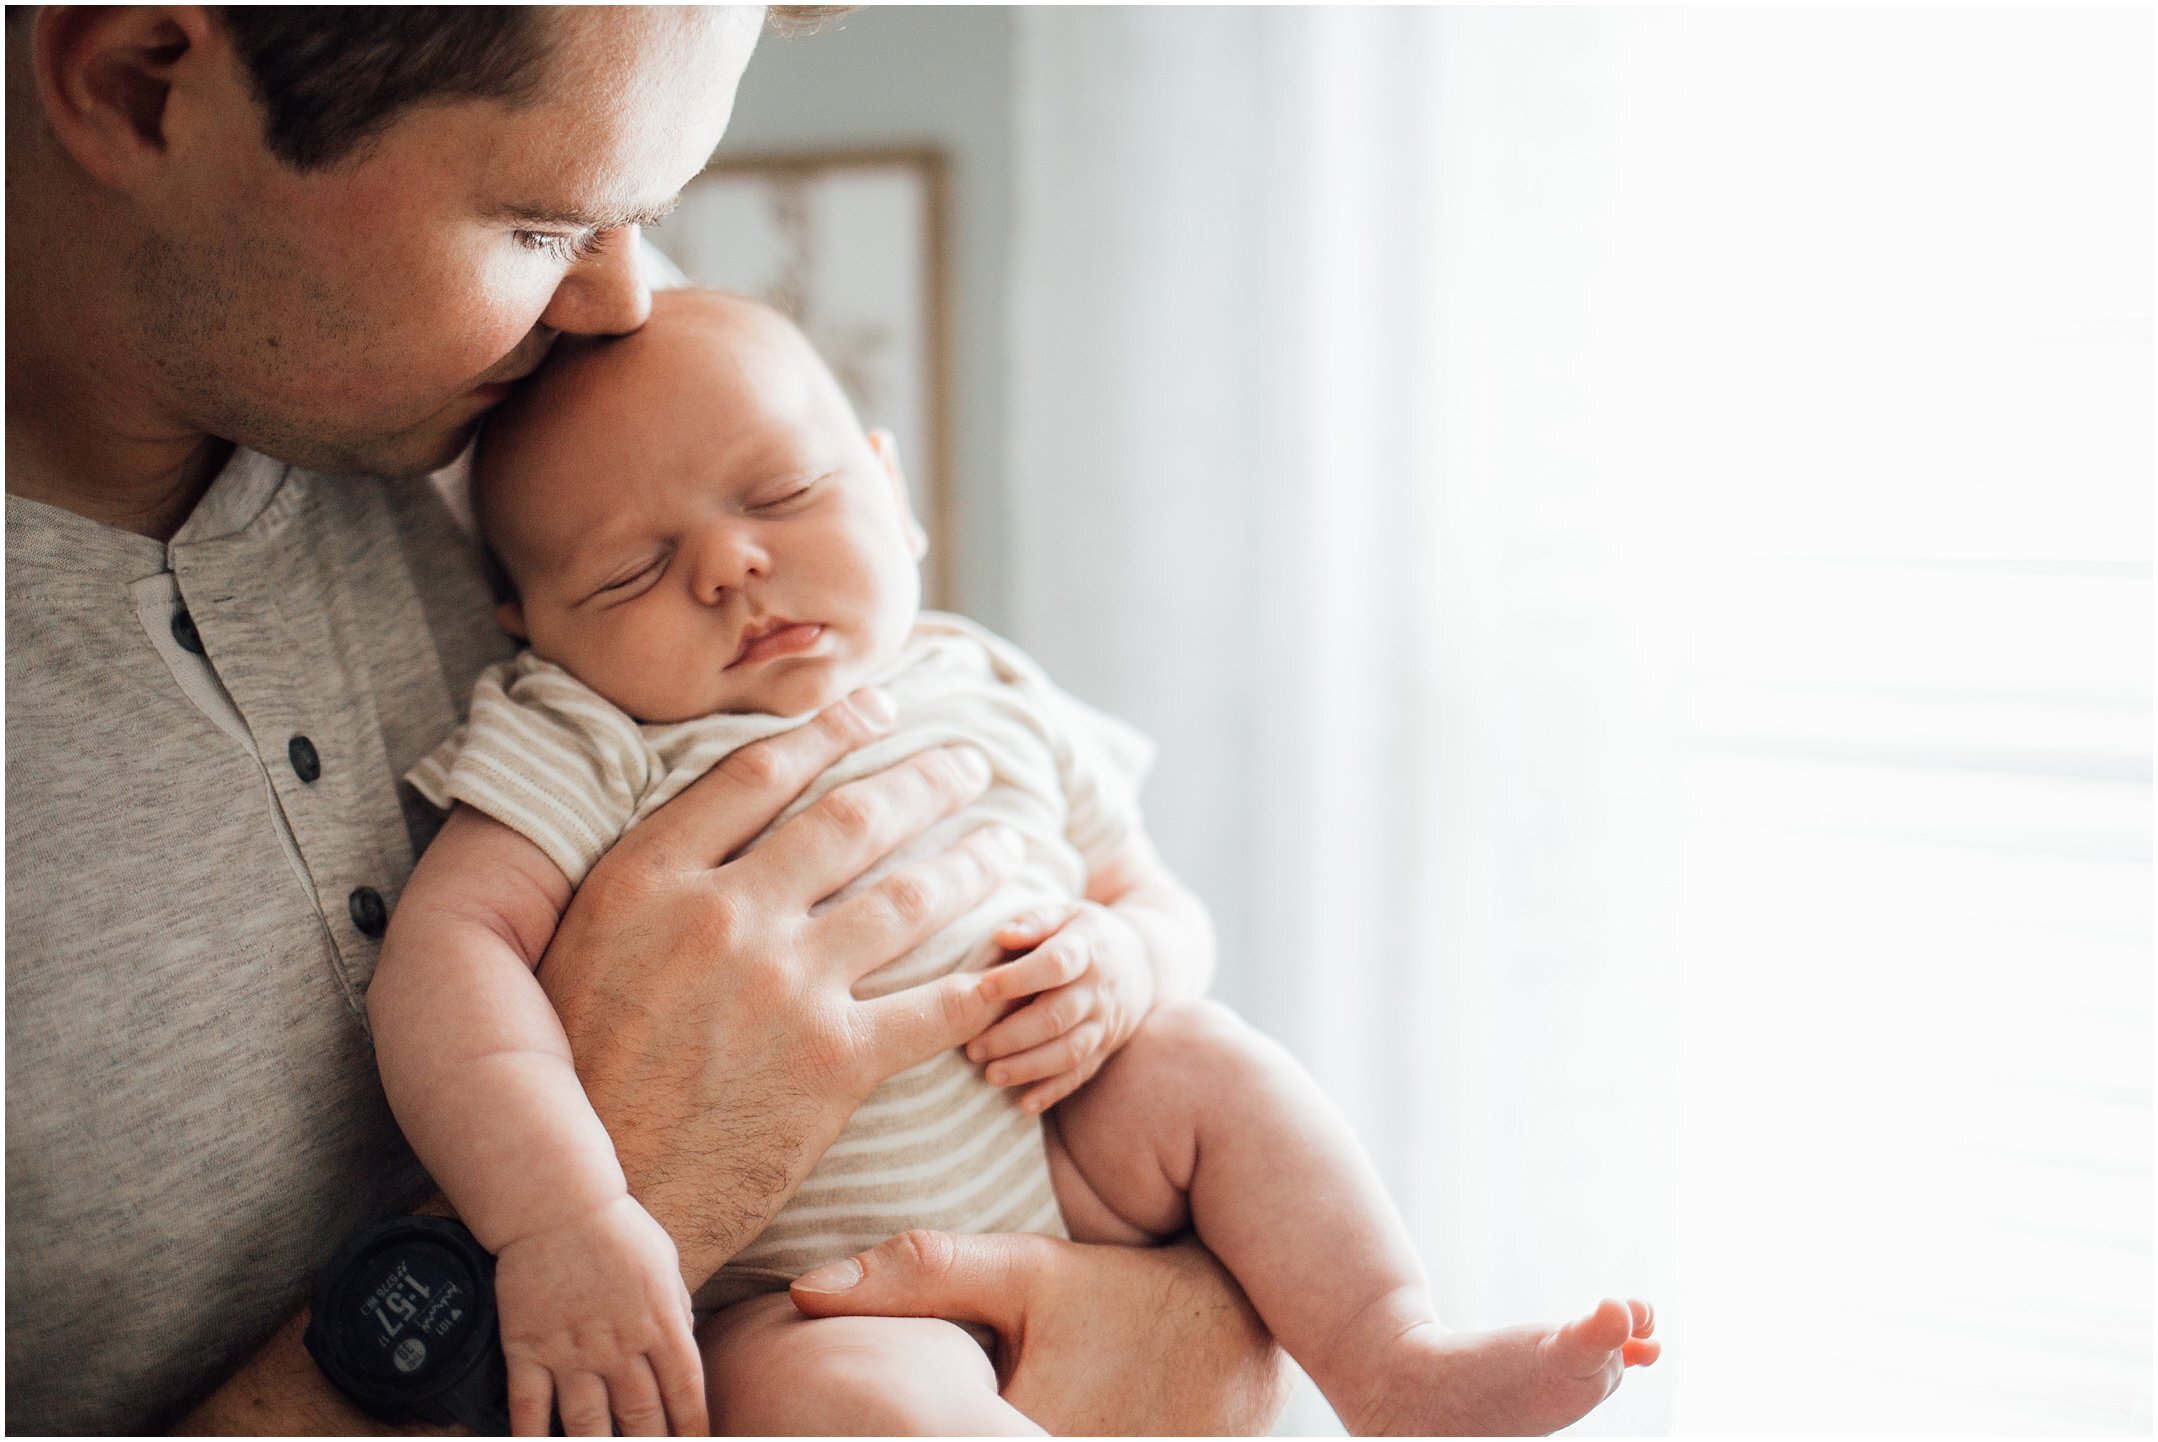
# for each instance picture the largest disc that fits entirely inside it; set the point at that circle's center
(1050, 1092)
(680, 1370)
(1031, 928)
(1641, 1351)
(1065, 1053)
(633, 1397)
(1051, 966)
(581, 1398)
(1049, 1015)
(531, 1398)
(1644, 1316)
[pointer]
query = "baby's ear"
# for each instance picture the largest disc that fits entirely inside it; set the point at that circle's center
(511, 616)
(886, 446)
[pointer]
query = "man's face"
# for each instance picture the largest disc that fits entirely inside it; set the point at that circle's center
(362, 318)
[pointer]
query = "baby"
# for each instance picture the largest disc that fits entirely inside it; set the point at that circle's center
(704, 549)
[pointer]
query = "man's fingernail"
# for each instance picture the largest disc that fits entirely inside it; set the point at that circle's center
(1006, 840)
(831, 1277)
(973, 766)
(875, 707)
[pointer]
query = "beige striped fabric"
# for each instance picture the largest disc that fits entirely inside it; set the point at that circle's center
(935, 1146)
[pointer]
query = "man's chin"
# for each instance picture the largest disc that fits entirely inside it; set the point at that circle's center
(405, 457)
(425, 456)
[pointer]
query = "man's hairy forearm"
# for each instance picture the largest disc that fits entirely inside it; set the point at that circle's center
(281, 1391)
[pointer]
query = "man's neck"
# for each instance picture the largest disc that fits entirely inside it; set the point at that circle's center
(149, 488)
(89, 427)
(146, 486)
(86, 433)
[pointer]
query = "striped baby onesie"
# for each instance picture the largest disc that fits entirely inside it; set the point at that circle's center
(935, 1146)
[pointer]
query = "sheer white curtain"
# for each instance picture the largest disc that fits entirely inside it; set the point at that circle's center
(1631, 529)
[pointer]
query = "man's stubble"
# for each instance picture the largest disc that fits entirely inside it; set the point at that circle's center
(217, 359)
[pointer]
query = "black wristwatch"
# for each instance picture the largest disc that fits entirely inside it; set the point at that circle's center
(405, 1325)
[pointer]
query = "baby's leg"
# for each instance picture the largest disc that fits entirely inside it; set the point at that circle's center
(770, 1371)
(1200, 1119)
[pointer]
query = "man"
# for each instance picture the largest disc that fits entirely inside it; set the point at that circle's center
(266, 269)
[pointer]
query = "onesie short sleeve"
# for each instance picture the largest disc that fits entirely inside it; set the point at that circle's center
(1101, 761)
(546, 756)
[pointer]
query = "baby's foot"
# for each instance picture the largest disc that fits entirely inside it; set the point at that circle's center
(1519, 1381)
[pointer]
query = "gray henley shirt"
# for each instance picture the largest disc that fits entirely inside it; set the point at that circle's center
(206, 828)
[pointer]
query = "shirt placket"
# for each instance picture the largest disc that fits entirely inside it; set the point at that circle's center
(329, 776)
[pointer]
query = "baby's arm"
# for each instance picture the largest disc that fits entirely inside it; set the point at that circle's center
(1095, 970)
(480, 1076)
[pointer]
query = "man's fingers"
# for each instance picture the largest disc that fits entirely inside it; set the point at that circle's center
(913, 903)
(818, 852)
(719, 813)
(531, 1398)
(983, 1279)
(909, 1027)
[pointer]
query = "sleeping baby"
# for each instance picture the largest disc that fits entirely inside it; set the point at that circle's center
(702, 548)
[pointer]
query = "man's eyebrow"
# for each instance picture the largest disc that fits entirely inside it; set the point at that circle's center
(576, 217)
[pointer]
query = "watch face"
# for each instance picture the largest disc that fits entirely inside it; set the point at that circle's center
(409, 1308)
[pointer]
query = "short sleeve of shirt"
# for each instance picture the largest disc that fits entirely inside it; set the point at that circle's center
(546, 756)
(1101, 761)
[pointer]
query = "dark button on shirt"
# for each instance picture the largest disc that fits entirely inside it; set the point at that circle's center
(368, 912)
(183, 631)
(305, 763)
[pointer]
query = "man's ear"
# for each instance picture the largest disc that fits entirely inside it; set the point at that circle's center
(510, 615)
(886, 447)
(113, 78)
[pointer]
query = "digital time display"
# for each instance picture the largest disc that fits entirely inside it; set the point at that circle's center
(412, 1305)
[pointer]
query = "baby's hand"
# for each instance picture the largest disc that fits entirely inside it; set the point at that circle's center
(595, 1320)
(1092, 985)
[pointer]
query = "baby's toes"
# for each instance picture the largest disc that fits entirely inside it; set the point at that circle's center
(1585, 1346)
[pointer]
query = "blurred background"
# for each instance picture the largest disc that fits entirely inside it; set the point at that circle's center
(1631, 530)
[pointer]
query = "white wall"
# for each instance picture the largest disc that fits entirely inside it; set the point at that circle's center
(923, 75)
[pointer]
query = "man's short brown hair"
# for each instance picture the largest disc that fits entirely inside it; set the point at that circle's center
(330, 78)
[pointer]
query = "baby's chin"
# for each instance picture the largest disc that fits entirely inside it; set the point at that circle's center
(790, 688)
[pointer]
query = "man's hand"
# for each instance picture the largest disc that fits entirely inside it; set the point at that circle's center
(1092, 985)
(711, 1013)
(1091, 1340)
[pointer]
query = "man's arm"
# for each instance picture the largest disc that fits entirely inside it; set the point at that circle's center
(1091, 1340)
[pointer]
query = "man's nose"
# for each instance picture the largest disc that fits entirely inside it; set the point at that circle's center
(603, 294)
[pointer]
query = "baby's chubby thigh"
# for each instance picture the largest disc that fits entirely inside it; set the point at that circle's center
(1124, 1148)
(770, 1371)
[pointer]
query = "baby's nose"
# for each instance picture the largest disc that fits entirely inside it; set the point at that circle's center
(728, 562)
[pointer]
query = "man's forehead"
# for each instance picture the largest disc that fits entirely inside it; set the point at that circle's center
(635, 99)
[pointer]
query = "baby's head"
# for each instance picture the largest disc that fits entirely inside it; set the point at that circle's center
(693, 521)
